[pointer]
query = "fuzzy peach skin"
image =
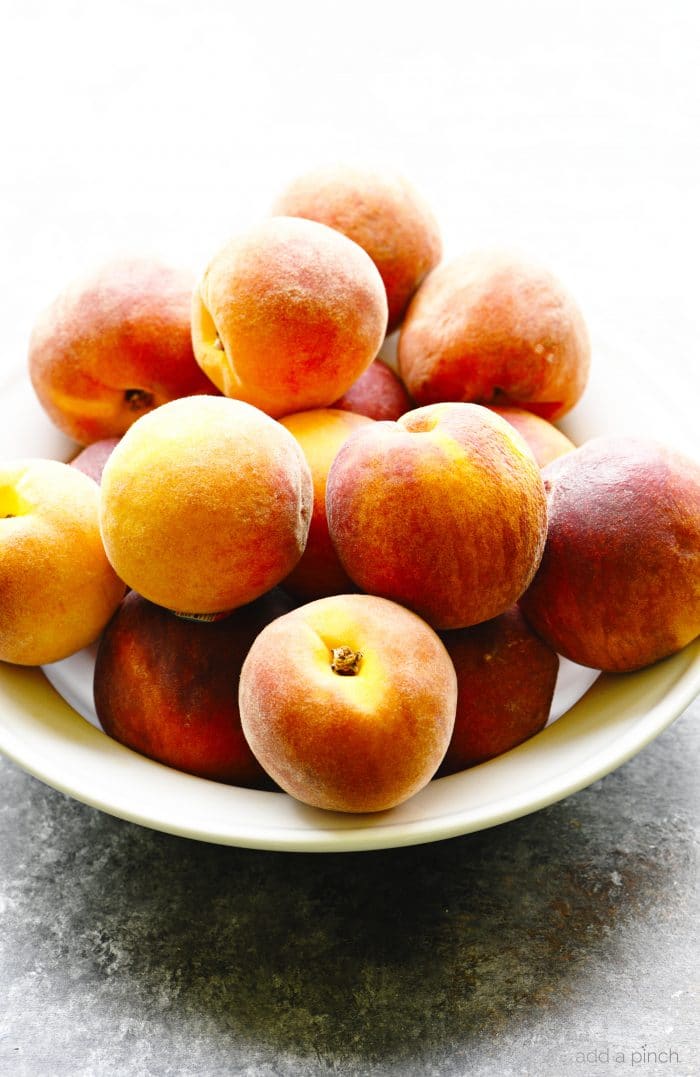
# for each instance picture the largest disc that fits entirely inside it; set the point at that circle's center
(619, 583)
(359, 741)
(443, 511)
(57, 588)
(506, 676)
(92, 459)
(543, 438)
(205, 504)
(113, 346)
(382, 212)
(168, 687)
(378, 393)
(288, 315)
(320, 433)
(494, 328)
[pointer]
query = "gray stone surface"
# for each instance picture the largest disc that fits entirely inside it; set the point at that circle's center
(514, 951)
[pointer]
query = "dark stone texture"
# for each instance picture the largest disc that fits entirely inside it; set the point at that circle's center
(511, 951)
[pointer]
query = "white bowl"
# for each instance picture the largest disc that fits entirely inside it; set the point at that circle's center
(616, 717)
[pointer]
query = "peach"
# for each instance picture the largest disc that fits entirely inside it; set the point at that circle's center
(443, 511)
(543, 438)
(92, 459)
(495, 329)
(205, 504)
(168, 687)
(320, 433)
(288, 315)
(378, 393)
(57, 587)
(113, 346)
(619, 583)
(348, 702)
(506, 676)
(379, 210)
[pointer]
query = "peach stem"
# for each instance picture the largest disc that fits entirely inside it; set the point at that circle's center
(345, 661)
(138, 399)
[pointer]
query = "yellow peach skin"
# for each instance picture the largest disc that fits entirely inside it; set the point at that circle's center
(288, 315)
(544, 439)
(57, 588)
(320, 433)
(444, 511)
(349, 702)
(205, 504)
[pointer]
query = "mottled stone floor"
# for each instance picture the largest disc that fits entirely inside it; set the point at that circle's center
(519, 950)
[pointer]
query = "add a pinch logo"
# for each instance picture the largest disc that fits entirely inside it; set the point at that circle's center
(640, 1056)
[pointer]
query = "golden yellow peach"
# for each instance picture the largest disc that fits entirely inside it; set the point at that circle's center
(57, 588)
(205, 504)
(320, 433)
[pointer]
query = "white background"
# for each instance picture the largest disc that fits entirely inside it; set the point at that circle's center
(566, 130)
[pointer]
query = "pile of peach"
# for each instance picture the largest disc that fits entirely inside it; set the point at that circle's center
(309, 571)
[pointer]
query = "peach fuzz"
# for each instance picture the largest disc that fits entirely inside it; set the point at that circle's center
(494, 328)
(443, 511)
(288, 315)
(544, 439)
(57, 588)
(619, 583)
(168, 687)
(382, 212)
(320, 433)
(378, 393)
(113, 346)
(205, 504)
(506, 676)
(348, 703)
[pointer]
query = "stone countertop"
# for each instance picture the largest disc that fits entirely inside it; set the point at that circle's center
(562, 943)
